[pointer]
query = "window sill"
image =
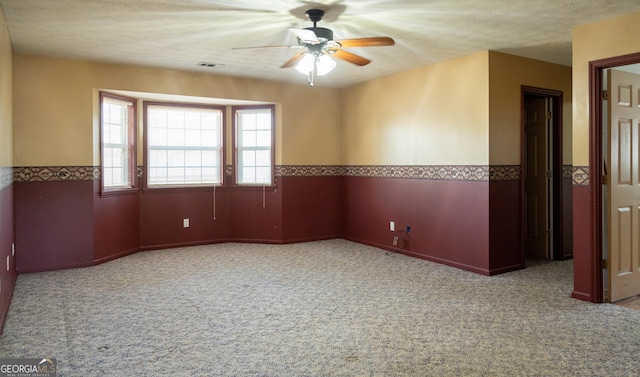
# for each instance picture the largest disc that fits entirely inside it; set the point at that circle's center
(119, 192)
(252, 187)
(156, 189)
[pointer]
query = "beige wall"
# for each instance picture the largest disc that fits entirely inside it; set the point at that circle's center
(54, 102)
(610, 38)
(507, 74)
(434, 115)
(6, 103)
(464, 111)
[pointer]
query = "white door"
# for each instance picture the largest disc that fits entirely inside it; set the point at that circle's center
(623, 186)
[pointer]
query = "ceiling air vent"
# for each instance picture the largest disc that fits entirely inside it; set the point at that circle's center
(210, 65)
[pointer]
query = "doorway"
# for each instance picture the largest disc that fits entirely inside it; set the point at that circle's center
(597, 127)
(542, 173)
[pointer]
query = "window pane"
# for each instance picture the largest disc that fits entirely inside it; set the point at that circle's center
(263, 138)
(157, 158)
(248, 139)
(115, 114)
(210, 175)
(248, 175)
(117, 157)
(118, 176)
(210, 121)
(193, 158)
(190, 140)
(175, 175)
(116, 134)
(249, 158)
(107, 180)
(210, 158)
(192, 121)
(248, 122)
(263, 175)
(157, 136)
(157, 119)
(107, 157)
(264, 121)
(192, 175)
(176, 158)
(210, 139)
(175, 137)
(263, 158)
(157, 175)
(175, 120)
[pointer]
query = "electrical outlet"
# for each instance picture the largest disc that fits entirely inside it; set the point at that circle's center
(185, 223)
(395, 240)
(392, 226)
(8, 261)
(13, 249)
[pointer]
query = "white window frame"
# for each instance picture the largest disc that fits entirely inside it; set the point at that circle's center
(123, 141)
(176, 146)
(250, 142)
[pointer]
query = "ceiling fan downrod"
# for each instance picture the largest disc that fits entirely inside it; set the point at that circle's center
(315, 15)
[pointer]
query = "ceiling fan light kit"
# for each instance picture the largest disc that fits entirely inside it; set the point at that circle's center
(320, 46)
(322, 64)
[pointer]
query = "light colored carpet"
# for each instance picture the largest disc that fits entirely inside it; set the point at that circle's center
(328, 308)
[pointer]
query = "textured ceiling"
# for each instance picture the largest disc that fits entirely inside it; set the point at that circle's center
(178, 34)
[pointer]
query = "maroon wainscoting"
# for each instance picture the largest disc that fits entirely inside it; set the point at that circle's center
(255, 214)
(162, 213)
(311, 208)
(115, 225)
(54, 225)
(584, 283)
(7, 237)
(449, 219)
(567, 219)
(505, 248)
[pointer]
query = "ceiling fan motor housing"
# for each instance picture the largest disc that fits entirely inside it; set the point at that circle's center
(322, 33)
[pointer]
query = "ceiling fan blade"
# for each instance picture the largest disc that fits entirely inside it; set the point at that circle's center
(305, 35)
(366, 42)
(275, 46)
(295, 59)
(350, 57)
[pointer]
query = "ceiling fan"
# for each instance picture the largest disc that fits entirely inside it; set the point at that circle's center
(319, 46)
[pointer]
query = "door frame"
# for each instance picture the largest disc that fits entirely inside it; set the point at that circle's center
(596, 68)
(556, 97)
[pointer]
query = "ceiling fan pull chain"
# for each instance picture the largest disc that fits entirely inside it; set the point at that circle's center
(312, 74)
(264, 201)
(214, 202)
